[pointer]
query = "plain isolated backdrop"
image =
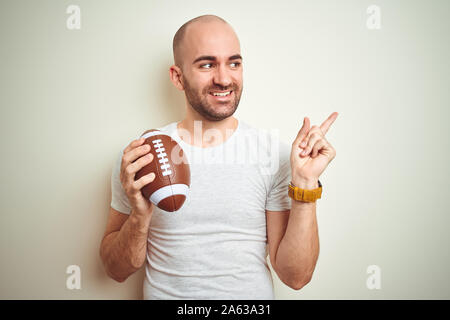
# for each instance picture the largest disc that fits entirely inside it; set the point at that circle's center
(70, 99)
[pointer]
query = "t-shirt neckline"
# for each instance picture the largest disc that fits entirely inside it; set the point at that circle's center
(213, 148)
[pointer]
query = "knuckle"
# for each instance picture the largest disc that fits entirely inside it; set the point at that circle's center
(129, 169)
(316, 130)
(125, 159)
(144, 147)
(135, 186)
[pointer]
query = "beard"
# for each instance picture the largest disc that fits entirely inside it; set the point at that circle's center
(212, 112)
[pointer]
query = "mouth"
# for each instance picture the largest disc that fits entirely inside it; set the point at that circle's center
(221, 95)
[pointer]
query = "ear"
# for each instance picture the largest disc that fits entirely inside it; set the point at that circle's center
(175, 74)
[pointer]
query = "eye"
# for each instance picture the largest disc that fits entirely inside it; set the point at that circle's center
(209, 65)
(206, 64)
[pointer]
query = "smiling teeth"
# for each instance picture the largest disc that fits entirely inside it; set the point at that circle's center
(221, 94)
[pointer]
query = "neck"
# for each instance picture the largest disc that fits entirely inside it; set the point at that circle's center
(204, 133)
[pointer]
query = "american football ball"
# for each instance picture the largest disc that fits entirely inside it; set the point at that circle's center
(169, 189)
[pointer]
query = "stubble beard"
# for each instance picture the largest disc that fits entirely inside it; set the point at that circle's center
(199, 102)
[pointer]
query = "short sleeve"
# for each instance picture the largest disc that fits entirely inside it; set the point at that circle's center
(119, 199)
(278, 198)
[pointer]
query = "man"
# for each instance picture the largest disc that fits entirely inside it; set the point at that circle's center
(215, 246)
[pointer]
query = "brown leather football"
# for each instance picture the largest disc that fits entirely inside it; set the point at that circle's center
(169, 189)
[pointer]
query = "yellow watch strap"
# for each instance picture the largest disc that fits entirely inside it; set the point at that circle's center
(305, 195)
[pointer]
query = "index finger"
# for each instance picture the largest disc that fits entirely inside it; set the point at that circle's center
(327, 123)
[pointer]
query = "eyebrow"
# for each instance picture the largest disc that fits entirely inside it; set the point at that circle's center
(212, 58)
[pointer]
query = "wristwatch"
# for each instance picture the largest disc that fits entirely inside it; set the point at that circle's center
(305, 195)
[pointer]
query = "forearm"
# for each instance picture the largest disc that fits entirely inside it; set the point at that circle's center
(299, 248)
(123, 252)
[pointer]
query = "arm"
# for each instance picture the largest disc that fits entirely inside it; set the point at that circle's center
(124, 245)
(294, 242)
(293, 236)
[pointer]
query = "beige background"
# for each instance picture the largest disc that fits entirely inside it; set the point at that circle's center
(70, 99)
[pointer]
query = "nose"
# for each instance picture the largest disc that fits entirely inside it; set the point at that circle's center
(222, 77)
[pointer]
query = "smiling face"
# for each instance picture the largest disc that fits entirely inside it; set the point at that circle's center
(210, 65)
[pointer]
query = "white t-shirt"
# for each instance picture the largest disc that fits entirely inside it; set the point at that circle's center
(215, 246)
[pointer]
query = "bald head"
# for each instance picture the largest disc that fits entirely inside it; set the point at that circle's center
(208, 61)
(179, 45)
